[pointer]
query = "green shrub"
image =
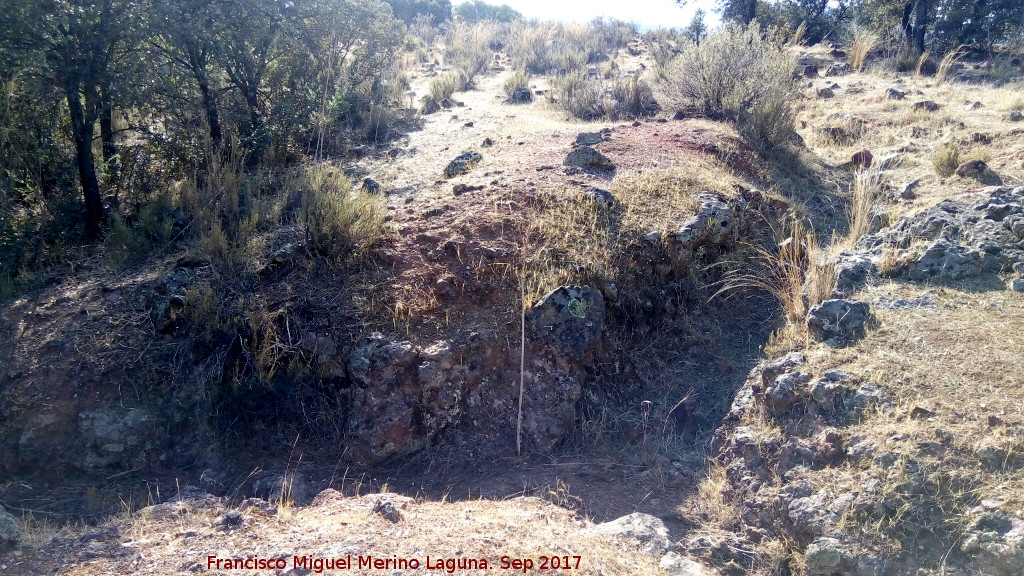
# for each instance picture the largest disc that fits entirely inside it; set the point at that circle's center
(735, 74)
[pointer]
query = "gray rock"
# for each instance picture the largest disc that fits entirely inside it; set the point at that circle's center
(386, 508)
(599, 196)
(647, 531)
(827, 556)
(894, 94)
(838, 321)
(569, 319)
(785, 390)
(852, 272)
(995, 540)
(462, 164)
(287, 488)
(713, 226)
(925, 106)
(429, 106)
(587, 157)
(10, 531)
(371, 186)
(397, 406)
(522, 96)
(907, 190)
(118, 436)
(1017, 285)
(589, 138)
(944, 260)
(675, 565)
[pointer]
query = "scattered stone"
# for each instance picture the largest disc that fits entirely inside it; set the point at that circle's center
(429, 106)
(468, 125)
(649, 532)
(1014, 116)
(973, 106)
(587, 157)
(460, 189)
(810, 71)
(371, 186)
(862, 158)
(838, 70)
(837, 53)
(462, 164)
(386, 509)
(10, 532)
(230, 519)
(522, 96)
(589, 138)
(981, 138)
(907, 190)
(925, 106)
(487, 143)
(838, 321)
(599, 196)
(894, 94)
(825, 93)
(945, 260)
(836, 134)
(971, 169)
(712, 226)
(1017, 285)
(921, 412)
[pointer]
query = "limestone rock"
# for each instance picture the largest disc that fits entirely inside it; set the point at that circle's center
(462, 164)
(838, 320)
(647, 531)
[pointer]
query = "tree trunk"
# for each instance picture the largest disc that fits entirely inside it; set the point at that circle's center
(82, 127)
(107, 135)
(212, 117)
(908, 29)
(920, 24)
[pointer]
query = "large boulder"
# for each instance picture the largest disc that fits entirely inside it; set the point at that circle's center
(569, 319)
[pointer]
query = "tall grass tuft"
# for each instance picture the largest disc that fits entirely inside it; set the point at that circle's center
(948, 62)
(863, 43)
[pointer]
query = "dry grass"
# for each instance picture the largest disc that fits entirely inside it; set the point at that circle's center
(863, 43)
(522, 528)
(948, 61)
(865, 190)
(946, 159)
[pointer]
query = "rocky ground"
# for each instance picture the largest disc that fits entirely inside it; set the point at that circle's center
(670, 426)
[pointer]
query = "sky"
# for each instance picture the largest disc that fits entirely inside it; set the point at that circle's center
(645, 13)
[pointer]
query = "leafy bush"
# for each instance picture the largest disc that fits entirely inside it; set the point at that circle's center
(735, 74)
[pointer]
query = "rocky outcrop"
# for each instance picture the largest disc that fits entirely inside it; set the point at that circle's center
(585, 157)
(646, 531)
(401, 395)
